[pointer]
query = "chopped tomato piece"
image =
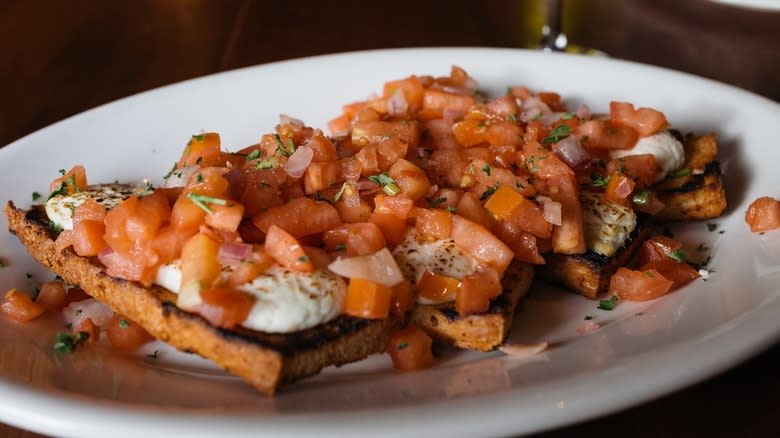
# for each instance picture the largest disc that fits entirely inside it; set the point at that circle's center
(247, 270)
(411, 180)
(225, 217)
(646, 121)
(136, 264)
(470, 208)
(657, 248)
(286, 250)
(411, 88)
(299, 217)
(364, 238)
(339, 125)
(568, 238)
(433, 223)
(52, 296)
(202, 149)
(680, 273)
(146, 219)
(126, 335)
(185, 215)
(763, 215)
(619, 189)
(410, 349)
(199, 264)
(638, 285)
(504, 202)
(393, 227)
(376, 131)
(398, 206)
(321, 176)
(19, 307)
(403, 298)
(598, 134)
(476, 291)
(437, 288)
(435, 102)
(366, 299)
(88, 327)
(641, 168)
(89, 210)
(224, 306)
(86, 238)
(72, 181)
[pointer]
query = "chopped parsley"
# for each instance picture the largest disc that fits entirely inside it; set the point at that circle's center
(28, 275)
(303, 258)
(36, 196)
(66, 343)
(268, 163)
(123, 323)
(170, 172)
(489, 192)
(62, 189)
(598, 180)
(341, 191)
(255, 154)
(283, 150)
(588, 317)
(711, 226)
(641, 197)
(199, 138)
(436, 202)
(512, 118)
(451, 208)
(152, 355)
(340, 247)
(702, 248)
(401, 345)
(680, 172)
(557, 134)
(567, 116)
(202, 201)
(486, 169)
(199, 177)
(676, 255)
(608, 304)
(145, 191)
(649, 274)
(388, 184)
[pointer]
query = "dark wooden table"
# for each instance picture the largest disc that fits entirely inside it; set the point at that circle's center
(60, 58)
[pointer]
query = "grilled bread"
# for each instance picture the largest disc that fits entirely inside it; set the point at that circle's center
(484, 331)
(262, 359)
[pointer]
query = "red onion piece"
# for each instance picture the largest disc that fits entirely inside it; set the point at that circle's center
(76, 313)
(379, 267)
(367, 188)
(532, 107)
(179, 177)
(397, 104)
(287, 120)
(231, 253)
(299, 161)
(583, 112)
(623, 188)
(571, 152)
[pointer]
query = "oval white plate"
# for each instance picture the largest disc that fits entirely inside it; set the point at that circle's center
(641, 351)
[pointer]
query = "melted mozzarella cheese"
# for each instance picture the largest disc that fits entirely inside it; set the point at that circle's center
(416, 255)
(60, 208)
(285, 301)
(607, 226)
(668, 151)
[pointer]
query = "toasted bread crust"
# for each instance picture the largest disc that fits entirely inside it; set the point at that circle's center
(264, 360)
(700, 194)
(484, 331)
(588, 274)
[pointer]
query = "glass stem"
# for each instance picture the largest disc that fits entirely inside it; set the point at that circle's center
(553, 38)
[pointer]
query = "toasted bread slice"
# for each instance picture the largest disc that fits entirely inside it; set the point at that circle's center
(699, 194)
(262, 359)
(588, 274)
(484, 331)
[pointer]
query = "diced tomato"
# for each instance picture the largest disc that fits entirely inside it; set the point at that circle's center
(398, 206)
(411, 88)
(410, 349)
(481, 244)
(476, 291)
(209, 181)
(52, 296)
(437, 288)
(247, 270)
(470, 208)
(619, 189)
(641, 168)
(185, 215)
(126, 335)
(225, 217)
(504, 202)
(202, 149)
(137, 264)
(169, 241)
(88, 327)
(503, 106)
(410, 179)
(146, 219)
(470, 132)
(199, 264)
(323, 149)
(657, 248)
(680, 273)
(224, 306)
(364, 238)
(632, 285)
(439, 134)
(89, 210)
(340, 125)
(351, 207)
(86, 238)
(763, 214)
(368, 300)
(553, 100)
(321, 176)
(72, 181)
(598, 134)
(19, 307)
(116, 219)
(568, 238)
(646, 121)
(504, 133)
(393, 227)
(433, 223)
(403, 298)
(286, 250)
(377, 131)
(389, 151)
(435, 102)
(299, 217)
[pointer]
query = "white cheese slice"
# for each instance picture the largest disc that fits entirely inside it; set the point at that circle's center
(668, 151)
(607, 226)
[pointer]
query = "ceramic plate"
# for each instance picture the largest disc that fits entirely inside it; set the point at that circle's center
(640, 350)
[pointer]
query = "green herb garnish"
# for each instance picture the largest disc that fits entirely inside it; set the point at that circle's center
(451, 208)
(253, 155)
(66, 343)
(268, 163)
(36, 196)
(486, 169)
(711, 226)
(303, 258)
(512, 118)
(202, 200)
(567, 116)
(598, 180)
(401, 345)
(608, 304)
(388, 184)
(436, 202)
(680, 172)
(489, 192)
(340, 247)
(341, 191)
(641, 197)
(123, 323)
(557, 134)
(588, 317)
(676, 255)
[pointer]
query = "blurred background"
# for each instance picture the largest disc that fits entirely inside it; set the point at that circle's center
(62, 57)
